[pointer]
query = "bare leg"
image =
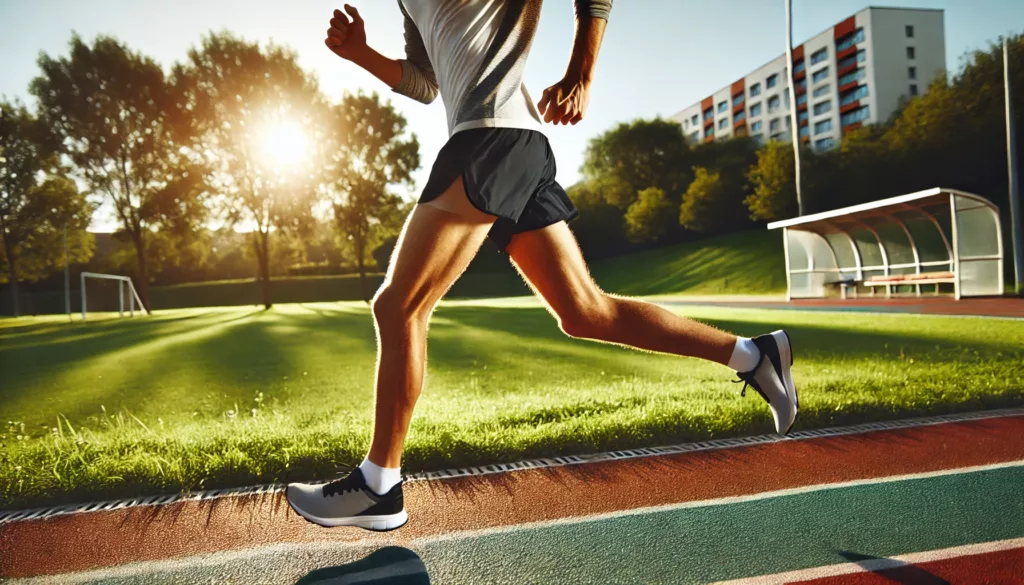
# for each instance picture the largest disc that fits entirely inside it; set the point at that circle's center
(550, 261)
(438, 241)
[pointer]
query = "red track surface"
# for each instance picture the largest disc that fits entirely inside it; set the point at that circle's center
(98, 539)
(984, 569)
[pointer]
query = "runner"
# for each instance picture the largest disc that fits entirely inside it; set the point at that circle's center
(495, 178)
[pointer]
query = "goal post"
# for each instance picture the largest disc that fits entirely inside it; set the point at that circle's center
(133, 295)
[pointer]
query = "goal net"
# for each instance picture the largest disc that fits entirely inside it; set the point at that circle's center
(108, 293)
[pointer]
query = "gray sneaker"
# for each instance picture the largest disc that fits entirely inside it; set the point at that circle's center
(773, 379)
(348, 502)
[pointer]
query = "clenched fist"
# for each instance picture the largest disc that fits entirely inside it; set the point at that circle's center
(347, 35)
(565, 102)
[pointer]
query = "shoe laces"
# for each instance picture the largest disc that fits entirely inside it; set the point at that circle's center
(349, 483)
(747, 379)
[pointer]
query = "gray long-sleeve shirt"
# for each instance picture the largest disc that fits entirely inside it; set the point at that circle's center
(473, 52)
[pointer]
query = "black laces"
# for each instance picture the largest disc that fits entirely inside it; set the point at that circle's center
(747, 379)
(352, 481)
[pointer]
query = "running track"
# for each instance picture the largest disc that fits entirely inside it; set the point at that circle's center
(938, 503)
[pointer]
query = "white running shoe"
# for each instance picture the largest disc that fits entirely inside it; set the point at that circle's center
(773, 379)
(348, 502)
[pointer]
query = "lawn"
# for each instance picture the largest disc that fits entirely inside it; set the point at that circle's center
(204, 398)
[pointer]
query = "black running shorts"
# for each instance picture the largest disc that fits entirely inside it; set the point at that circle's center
(507, 172)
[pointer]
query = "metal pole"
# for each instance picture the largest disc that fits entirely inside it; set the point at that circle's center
(1011, 162)
(67, 275)
(792, 105)
(83, 296)
(120, 298)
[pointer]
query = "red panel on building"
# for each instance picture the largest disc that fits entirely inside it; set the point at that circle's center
(848, 69)
(848, 86)
(844, 28)
(798, 53)
(850, 106)
(851, 50)
(851, 127)
(708, 102)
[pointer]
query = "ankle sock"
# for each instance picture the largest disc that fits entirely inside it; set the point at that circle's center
(380, 479)
(745, 356)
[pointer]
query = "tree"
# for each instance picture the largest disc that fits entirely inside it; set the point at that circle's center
(34, 213)
(632, 157)
(113, 116)
(371, 153)
(706, 206)
(259, 117)
(773, 182)
(651, 217)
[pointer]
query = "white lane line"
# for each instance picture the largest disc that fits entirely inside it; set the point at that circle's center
(210, 560)
(427, 540)
(559, 461)
(873, 565)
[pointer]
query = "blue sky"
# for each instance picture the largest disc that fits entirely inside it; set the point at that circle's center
(658, 56)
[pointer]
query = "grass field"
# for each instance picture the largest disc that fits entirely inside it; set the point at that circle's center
(742, 263)
(208, 398)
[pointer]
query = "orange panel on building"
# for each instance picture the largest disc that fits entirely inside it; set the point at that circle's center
(844, 28)
(708, 102)
(850, 106)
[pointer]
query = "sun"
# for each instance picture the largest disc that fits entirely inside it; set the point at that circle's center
(285, 144)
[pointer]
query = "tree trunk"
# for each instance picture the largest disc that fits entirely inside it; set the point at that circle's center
(143, 278)
(12, 263)
(263, 257)
(362, 277)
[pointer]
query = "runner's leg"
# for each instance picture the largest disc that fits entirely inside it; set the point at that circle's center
(438, 241)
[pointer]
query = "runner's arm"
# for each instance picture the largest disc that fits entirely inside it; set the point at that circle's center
(566, 101)
(413, 76)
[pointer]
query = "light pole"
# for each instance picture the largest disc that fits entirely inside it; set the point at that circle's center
(792, 105)
(67, 275)
(1011, 162)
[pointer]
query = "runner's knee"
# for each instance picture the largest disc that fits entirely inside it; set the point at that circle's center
(587, 317)
(392, 307)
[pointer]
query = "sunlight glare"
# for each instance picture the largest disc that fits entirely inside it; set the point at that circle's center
(285, 144)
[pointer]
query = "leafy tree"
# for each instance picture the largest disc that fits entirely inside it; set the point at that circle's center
(705, 206)
(371, 152)
(252, 107)
(651, 217)
(34, 212)
(112, 114)
(632, 157)
(772, 180)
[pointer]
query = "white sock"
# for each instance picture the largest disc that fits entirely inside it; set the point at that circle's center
(745, 355)
(380, 479)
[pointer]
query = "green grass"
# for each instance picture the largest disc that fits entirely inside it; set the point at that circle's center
(207, 398)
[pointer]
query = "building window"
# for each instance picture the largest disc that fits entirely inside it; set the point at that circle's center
(805, 131)
(737, 100)
(911, 54)
(850, 40)
(851, 77)
(798, 67)
(757, 126)
(913, 89)
(822, 127)
(755, 90)
(852, 96)
(758, 139)
(822, 107)
(755, 110)
(773, 126)
(709, 114)
(802, 84)
(802, 116)
(773, 104)
(779, 136)
(739, 117)
(825, 143)
(694, 120)
(820, 75)
(910, 31)
(785, 98)
(723, 123)
(819, 56)
(852, 60)
(695, 136)
(801, 99)
(723, 106)
(709, 131)
(858, 115)
(912, 72)
(772, 80)
(822, 90)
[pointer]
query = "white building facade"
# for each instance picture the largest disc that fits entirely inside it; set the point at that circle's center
(851, 75)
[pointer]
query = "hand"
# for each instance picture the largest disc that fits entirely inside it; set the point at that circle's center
(347, 36)
(565, 102)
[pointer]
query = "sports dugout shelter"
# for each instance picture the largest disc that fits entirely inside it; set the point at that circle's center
(934, 238)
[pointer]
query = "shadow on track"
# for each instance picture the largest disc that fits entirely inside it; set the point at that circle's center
(391, 565)
(895, 571)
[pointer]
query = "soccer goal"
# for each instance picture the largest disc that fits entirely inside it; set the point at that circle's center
(123, 283)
